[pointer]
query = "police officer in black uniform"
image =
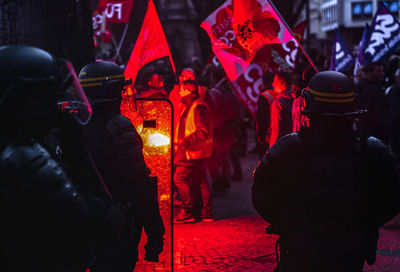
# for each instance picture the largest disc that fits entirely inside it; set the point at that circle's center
(44, 217)
(325, 190)
(116, 149)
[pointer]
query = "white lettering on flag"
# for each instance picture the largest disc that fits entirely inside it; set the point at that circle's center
(339, 51)
(114, 8)
(386, 26)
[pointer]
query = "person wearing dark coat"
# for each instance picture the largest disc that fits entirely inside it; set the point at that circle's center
(392, 102)
(115, 149)
(45, 216)
(263, 117)
(325, 190)
(371, 97)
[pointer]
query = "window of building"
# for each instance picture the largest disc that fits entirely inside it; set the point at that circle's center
(392, 6)
(329, 16)
(361, 10)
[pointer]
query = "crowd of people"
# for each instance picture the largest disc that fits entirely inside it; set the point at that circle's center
(76, 191)
(330, 178)
(376, 92)
(328, 188)
(209, 130)
(203, 96)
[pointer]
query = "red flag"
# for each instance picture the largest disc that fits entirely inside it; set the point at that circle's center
(284, 57)
(239, 29)
(151, 44)
(249, 37)
(116, 11)
(272, 57)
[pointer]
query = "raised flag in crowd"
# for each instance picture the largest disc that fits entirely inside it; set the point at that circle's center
(110, 11)
(359, 61)
(150, 45)
(239, 28)
(342, 57)
(250, 38)
(384, 36)
(115, 11)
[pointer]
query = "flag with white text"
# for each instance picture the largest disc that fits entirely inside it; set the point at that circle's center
(384, 37)
(116, 11)
(342, 57)
(239, 29)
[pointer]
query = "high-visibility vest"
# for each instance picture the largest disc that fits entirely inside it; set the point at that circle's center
(202, 149)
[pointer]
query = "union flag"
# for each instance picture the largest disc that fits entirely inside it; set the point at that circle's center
(240, 28)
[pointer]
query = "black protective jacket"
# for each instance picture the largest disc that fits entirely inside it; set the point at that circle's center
(116, 149)
(370, 96)
(328, 196)
(44, 218)
(392, 100)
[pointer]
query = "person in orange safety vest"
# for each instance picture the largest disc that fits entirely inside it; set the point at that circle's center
(193, 144)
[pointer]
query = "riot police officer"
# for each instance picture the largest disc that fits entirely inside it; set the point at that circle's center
(116, 149)
(326, 190)
(44, 217)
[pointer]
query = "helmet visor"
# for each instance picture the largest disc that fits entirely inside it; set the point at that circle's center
(73, 99)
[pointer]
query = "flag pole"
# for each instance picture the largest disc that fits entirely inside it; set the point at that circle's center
(294, 36)
(121, 42)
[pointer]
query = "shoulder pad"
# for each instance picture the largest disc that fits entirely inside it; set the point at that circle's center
(288, 143)
(19, 158)
(117, 123)
(121, 131)
(31, 167)
(376, 146)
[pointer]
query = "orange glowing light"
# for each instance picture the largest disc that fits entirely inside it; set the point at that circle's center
(153, 119)
(158, 139)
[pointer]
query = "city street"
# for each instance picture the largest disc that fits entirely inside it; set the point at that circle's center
(111, 108)
(237, 240)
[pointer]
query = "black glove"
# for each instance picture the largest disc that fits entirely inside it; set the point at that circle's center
(153, 248)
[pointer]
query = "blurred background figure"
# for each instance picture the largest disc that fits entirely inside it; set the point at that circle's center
(263, 118)
(299, 120)
(371, 97)
(392, 101)
(281, 110)
(155, 88)
(225, 112)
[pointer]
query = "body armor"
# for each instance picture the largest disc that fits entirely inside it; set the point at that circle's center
(327, 200)
(44, 214)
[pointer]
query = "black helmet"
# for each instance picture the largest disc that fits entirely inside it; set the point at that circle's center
(103, 79)
(34, 86)
(329, 93)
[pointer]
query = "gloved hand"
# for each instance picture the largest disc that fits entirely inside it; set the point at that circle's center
(153, 248)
